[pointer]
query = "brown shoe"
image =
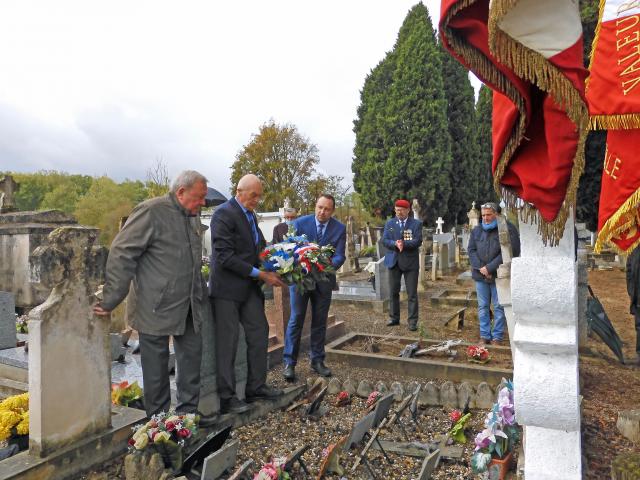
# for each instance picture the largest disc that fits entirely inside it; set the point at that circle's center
(496, 342)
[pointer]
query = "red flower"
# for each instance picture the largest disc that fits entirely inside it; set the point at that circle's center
(264, 253)
(455, 415)
(131, 442)
(170, 426)
(320, 267)
(184, 433)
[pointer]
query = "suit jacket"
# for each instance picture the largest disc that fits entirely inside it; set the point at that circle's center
(233, 252)
(484, 250)
(159, 253)
(409, 258)
(335, 233)
(279, 231)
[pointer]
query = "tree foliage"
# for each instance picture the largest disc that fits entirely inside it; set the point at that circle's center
(484, 108)
(285, 161)
(465, 168)
(158, 179)
(402, 142)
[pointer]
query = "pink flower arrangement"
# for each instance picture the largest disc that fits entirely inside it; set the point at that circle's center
(343, 399)
(478, 354)
(373, 398)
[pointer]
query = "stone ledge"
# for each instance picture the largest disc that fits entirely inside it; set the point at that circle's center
(37, 217)
(68, 462)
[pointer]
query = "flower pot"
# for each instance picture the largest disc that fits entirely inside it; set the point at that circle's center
(498, 467)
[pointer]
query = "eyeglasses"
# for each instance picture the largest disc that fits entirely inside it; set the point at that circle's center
(490, 205)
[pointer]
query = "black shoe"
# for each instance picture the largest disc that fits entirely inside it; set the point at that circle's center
(289, 373)
(392, 323)
(320, 368)
(413, 327)
(233, 405)
(264, 392)
(207, 420)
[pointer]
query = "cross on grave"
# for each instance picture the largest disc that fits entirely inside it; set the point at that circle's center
(212, 443)
(429, 465)
(297, 457)
(331, 463)
(315, 409)
(359, 430)
(458, 316)
(439, 223)
(243, 472)
(310, 395)
(220, 461)
(8, 187)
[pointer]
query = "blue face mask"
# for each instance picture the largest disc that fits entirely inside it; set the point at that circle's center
(289, 222)
(490, 226)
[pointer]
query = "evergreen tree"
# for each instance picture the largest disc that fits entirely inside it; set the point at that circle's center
(589, 189)
(484, 108)
(402, 142)
(464, 147)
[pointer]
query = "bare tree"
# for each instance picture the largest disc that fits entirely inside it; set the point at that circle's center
(157, 178)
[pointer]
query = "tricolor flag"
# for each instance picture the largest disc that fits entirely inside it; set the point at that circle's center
(530, 53)
(613, 92)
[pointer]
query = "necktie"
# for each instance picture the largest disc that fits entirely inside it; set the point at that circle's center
(254, 230)
(402, 225)
(320, 232)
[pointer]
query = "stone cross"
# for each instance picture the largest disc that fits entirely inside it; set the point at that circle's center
(287, 203)
(8, 187)
(439, 224)
(69, 347)
(350, 249)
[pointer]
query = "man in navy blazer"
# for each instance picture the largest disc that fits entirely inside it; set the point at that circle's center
(323, 229)
(236, 296)
(402, 237)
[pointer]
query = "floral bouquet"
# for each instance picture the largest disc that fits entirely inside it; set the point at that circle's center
(343, 399)
(14, 418)
(478, 354)
(273, 470)
(21, 324)
(458, 422)
(500, 432)
(299, 262)
(373, 398)
(124, 394)
(166, 433)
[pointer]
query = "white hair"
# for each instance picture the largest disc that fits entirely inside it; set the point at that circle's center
(187, 179)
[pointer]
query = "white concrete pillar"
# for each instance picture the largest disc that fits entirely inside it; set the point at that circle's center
(545, 310)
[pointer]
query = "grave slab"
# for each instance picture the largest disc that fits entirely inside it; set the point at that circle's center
(7, 321)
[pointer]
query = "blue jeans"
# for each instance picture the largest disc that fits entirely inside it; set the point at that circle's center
(487, 294)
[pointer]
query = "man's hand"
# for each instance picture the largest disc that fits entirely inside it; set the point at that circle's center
(485, 272)
(98, 310)
(271, 278)
(400, 245)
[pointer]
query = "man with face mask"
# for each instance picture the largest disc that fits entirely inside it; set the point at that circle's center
(402, 238)
(485, 257)
(280, 230)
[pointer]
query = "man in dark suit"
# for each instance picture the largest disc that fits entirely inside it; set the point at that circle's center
(402, 237)
(281, 229)
(323, 229)
(236, 296)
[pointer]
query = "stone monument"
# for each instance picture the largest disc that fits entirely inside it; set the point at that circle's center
(474, 216)
(8, 337)
(439, 223)
(417, 210)
(8, 189)
(63, 331)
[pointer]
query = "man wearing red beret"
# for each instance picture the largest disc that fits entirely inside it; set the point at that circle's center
(402, 238)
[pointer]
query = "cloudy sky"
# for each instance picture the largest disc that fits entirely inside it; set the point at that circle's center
(108, 87)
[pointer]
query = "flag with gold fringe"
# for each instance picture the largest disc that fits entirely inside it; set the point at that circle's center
(613, 93)
(530, 53)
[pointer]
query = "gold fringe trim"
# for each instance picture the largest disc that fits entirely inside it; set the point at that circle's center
(480, 64)
(594, 44)
(532, 66)
(622, 121)
(620, 222)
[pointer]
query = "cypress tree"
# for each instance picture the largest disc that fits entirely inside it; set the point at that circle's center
(464, 147)
(484, 108)
(402, 142)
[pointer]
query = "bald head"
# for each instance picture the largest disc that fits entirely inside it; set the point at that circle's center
(249, 191)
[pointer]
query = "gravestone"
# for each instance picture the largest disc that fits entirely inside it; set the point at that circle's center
(382, 280)
(439, 223)
(449, 240)
(349, 264)
(360, 428)
(63, 331)
(8, 189)
(474, 217)
(429, 465)
(417, 209)
(8, 337)
(430, 395)
(221, 461)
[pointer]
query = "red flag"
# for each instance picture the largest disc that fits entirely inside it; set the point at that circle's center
(530, 53)
(613, 92)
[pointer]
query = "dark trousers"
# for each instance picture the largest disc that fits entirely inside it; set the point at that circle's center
(320, 303)
(228, 316)
(637, 318)
(411, 282)
(154, 355)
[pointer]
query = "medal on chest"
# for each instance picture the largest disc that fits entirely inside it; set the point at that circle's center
(407, 235)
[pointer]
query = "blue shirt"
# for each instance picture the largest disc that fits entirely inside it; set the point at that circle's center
(324, 231)
(254, 272)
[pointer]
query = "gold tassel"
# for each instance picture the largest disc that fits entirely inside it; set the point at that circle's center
(594, 44)
(622, 121)
(616, 224)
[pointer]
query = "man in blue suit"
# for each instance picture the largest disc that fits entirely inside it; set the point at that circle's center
(324, 230)
(402, 238)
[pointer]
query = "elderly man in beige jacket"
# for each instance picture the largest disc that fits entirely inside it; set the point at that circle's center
(159, 252)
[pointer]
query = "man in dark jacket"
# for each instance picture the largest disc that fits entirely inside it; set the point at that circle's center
(402, 238)
(281, 229)
(633, 288)
(236, 296)
(485, 257)
(159, 253)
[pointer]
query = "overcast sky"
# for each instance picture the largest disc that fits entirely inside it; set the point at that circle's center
(107, 87)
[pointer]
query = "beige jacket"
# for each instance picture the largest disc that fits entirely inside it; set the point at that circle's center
(159, 250)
